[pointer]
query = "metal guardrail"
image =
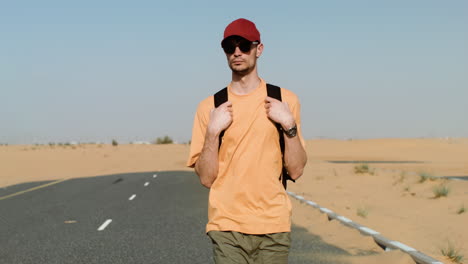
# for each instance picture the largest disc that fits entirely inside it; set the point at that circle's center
(383, 242)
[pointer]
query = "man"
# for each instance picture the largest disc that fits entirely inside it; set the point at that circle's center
(249, 214)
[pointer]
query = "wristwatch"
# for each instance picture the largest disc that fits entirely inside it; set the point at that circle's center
(292, 132)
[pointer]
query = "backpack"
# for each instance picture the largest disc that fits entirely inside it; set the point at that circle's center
(272, 91)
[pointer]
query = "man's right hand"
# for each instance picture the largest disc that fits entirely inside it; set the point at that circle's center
(220, 118)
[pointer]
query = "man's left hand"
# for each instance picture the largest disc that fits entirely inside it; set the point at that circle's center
(279, 112)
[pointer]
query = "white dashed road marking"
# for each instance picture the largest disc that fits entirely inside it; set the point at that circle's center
(105, 224)
(132, 197)
(146, 184)
(155, 175)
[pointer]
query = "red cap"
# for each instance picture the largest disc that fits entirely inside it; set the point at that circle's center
(243, 28)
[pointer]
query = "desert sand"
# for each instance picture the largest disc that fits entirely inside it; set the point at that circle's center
(391, 198)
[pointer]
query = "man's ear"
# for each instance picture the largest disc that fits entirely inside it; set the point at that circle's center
(259, 50)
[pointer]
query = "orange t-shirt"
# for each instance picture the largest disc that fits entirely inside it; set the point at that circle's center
(247, 195)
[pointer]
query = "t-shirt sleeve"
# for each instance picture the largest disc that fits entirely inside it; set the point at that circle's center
(200, 123)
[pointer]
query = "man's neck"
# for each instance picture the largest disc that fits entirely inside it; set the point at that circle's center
(244, 84)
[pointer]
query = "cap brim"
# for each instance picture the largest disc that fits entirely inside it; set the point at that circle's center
(239, 37)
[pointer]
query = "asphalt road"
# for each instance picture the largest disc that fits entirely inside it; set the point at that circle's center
(150, 219)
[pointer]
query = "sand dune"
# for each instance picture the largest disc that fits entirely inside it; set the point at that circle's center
(391, 199)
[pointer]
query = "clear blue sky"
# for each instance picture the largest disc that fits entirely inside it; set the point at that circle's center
(136, 70)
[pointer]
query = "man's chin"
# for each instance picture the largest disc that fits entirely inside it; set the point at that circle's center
(240, 70)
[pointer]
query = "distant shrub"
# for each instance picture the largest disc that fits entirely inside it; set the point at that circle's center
(452, 253)
(461, 210)
(362, 168)
(362, 212)
(441, 191)
(114, 143)
(423, 176)
(164, 140)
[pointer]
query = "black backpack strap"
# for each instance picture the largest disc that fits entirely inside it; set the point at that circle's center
(274, 91)
(220, 98)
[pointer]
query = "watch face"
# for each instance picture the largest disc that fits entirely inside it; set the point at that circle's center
(292, 132)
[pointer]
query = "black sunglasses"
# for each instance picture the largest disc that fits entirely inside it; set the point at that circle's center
(229, 46)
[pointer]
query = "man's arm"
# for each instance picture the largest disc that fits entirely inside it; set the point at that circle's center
(295, 156)
(207, 164)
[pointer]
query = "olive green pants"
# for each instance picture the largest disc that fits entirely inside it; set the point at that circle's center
(234, 247)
